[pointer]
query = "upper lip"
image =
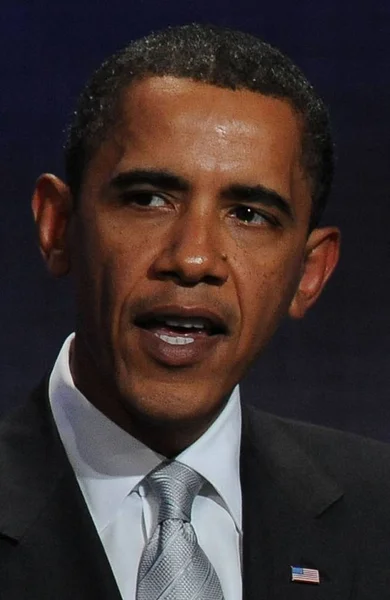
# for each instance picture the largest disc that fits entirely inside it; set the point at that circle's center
(213, 320)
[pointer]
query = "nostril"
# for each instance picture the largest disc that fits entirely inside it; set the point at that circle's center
(215, 279)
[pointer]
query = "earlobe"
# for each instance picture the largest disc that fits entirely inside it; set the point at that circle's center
(51, 206)
(321, 257)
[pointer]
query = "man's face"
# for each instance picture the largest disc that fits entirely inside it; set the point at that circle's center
(187, 247)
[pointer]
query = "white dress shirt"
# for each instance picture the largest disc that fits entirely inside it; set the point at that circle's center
(110, 465)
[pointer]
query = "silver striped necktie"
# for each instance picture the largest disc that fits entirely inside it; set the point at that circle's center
(173, 566)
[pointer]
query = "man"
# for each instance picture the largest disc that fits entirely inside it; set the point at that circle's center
(198, 165)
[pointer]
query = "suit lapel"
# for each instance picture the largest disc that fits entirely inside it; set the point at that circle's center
(41, 503)
(291, 516)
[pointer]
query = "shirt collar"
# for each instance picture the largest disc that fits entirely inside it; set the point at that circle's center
(216, 456)
(109, 463)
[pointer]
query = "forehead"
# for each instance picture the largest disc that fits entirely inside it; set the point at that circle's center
(200, 129)
(171, 105)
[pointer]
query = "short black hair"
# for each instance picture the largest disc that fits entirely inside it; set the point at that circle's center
(208, 54)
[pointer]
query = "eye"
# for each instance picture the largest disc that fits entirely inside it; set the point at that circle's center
(144, 199)
(249, 215)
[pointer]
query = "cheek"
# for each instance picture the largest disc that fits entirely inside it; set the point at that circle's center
(98, 271)
(265, 288)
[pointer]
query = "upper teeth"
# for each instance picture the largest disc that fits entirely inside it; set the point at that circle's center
(189, 324)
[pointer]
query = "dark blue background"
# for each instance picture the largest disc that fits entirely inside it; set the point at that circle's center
(331, 368)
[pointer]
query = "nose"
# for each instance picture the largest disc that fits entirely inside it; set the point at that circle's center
(193, 252)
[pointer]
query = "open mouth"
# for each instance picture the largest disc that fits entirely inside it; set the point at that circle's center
(178, 330)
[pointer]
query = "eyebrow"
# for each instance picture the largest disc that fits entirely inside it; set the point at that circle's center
(161, 179)
(166, 180)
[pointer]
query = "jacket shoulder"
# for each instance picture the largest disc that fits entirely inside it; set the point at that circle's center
(347, 457)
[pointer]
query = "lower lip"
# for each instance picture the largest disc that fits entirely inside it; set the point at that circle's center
(178, 355)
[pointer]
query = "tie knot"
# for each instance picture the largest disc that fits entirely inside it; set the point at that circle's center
(175, 486)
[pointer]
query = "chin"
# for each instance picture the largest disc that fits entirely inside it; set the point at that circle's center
(171, 409)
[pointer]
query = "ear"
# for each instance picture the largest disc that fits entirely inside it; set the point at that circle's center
(52, 208)
(321, 257)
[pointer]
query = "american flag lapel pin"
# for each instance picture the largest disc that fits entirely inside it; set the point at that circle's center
(300, 574)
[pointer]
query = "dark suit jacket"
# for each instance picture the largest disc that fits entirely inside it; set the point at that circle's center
(311, 497)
